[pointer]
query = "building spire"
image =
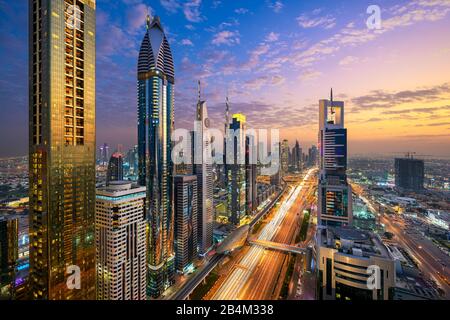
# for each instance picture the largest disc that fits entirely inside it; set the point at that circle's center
(227, 112)
(148, 19)
(199, 91)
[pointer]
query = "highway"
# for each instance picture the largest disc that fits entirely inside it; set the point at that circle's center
(429, 257)
(255, 275)
(432, 261)
(188, 287)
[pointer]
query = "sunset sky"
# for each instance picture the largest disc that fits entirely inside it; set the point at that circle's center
(275, 59)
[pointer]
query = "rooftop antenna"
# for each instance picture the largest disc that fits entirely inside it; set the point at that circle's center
(199, 91)
(331, 99)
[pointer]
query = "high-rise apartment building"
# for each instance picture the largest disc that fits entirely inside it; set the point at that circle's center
(115, 168)
(61, 146)
(186, 216)
(335, 195)
(156, 81)
(236, 179)
(202, 168)
(409, 174)
(120, 237)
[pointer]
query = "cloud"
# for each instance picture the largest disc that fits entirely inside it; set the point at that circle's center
(380, 99)
(190, 27)
(241, 11)
(186, 42)
(310, 74)
(271, 37)
(137, 16)
(170, 5)
(191, 10)
(257, 83)
(276, 6)
(348, 60)
(326, 22)
(350, 36)
(226, 37)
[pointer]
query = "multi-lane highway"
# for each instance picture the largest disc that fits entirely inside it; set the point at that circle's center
(432, 261)
(256, 274)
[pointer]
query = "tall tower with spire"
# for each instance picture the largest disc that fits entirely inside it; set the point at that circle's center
(156, 80)
(335, 195)
(202, 168)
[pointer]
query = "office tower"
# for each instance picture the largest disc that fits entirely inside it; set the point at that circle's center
(203, 170)
(409, 174)
(9, 254)
(61, 147)
(284, 157)
(132, 159)
(235, 156)
(120, 238)
(312, 156)
(335, 195)
(344, 257)
(103, 157)
(115, 168)
(251, 174)
(297, 156)
(186, 215)
(155, 126)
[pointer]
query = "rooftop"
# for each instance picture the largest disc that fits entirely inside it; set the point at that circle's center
(352, 241)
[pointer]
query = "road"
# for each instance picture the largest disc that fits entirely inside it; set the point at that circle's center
(258, 271)
(432, 261)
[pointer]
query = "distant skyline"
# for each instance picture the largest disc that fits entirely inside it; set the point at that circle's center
(275, 59)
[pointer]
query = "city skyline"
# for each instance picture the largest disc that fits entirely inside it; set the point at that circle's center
(301, 49)
(253, 194)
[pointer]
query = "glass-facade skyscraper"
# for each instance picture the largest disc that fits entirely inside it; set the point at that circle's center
(235, 168)
(335, 194)
(202, 168)
(156, 81)
(61, 147)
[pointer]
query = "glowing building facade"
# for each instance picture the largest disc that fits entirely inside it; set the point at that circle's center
(61, 146)
(155, 126)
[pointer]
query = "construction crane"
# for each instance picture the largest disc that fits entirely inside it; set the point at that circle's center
(410, 155)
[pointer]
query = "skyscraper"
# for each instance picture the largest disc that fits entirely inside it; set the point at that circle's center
(61, 146)
(251, 174)
(156, 80)
(284, 157)
(235, 156)
(121, 242)
(186, 215)
(335, 195)
(9, 233)
(203, 170)
(409, 174)
(103, 157)
(115, 168)
(297, 156)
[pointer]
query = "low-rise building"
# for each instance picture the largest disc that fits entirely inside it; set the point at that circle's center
(352, 265)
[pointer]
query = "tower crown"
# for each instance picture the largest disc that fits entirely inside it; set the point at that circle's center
(155, 53)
